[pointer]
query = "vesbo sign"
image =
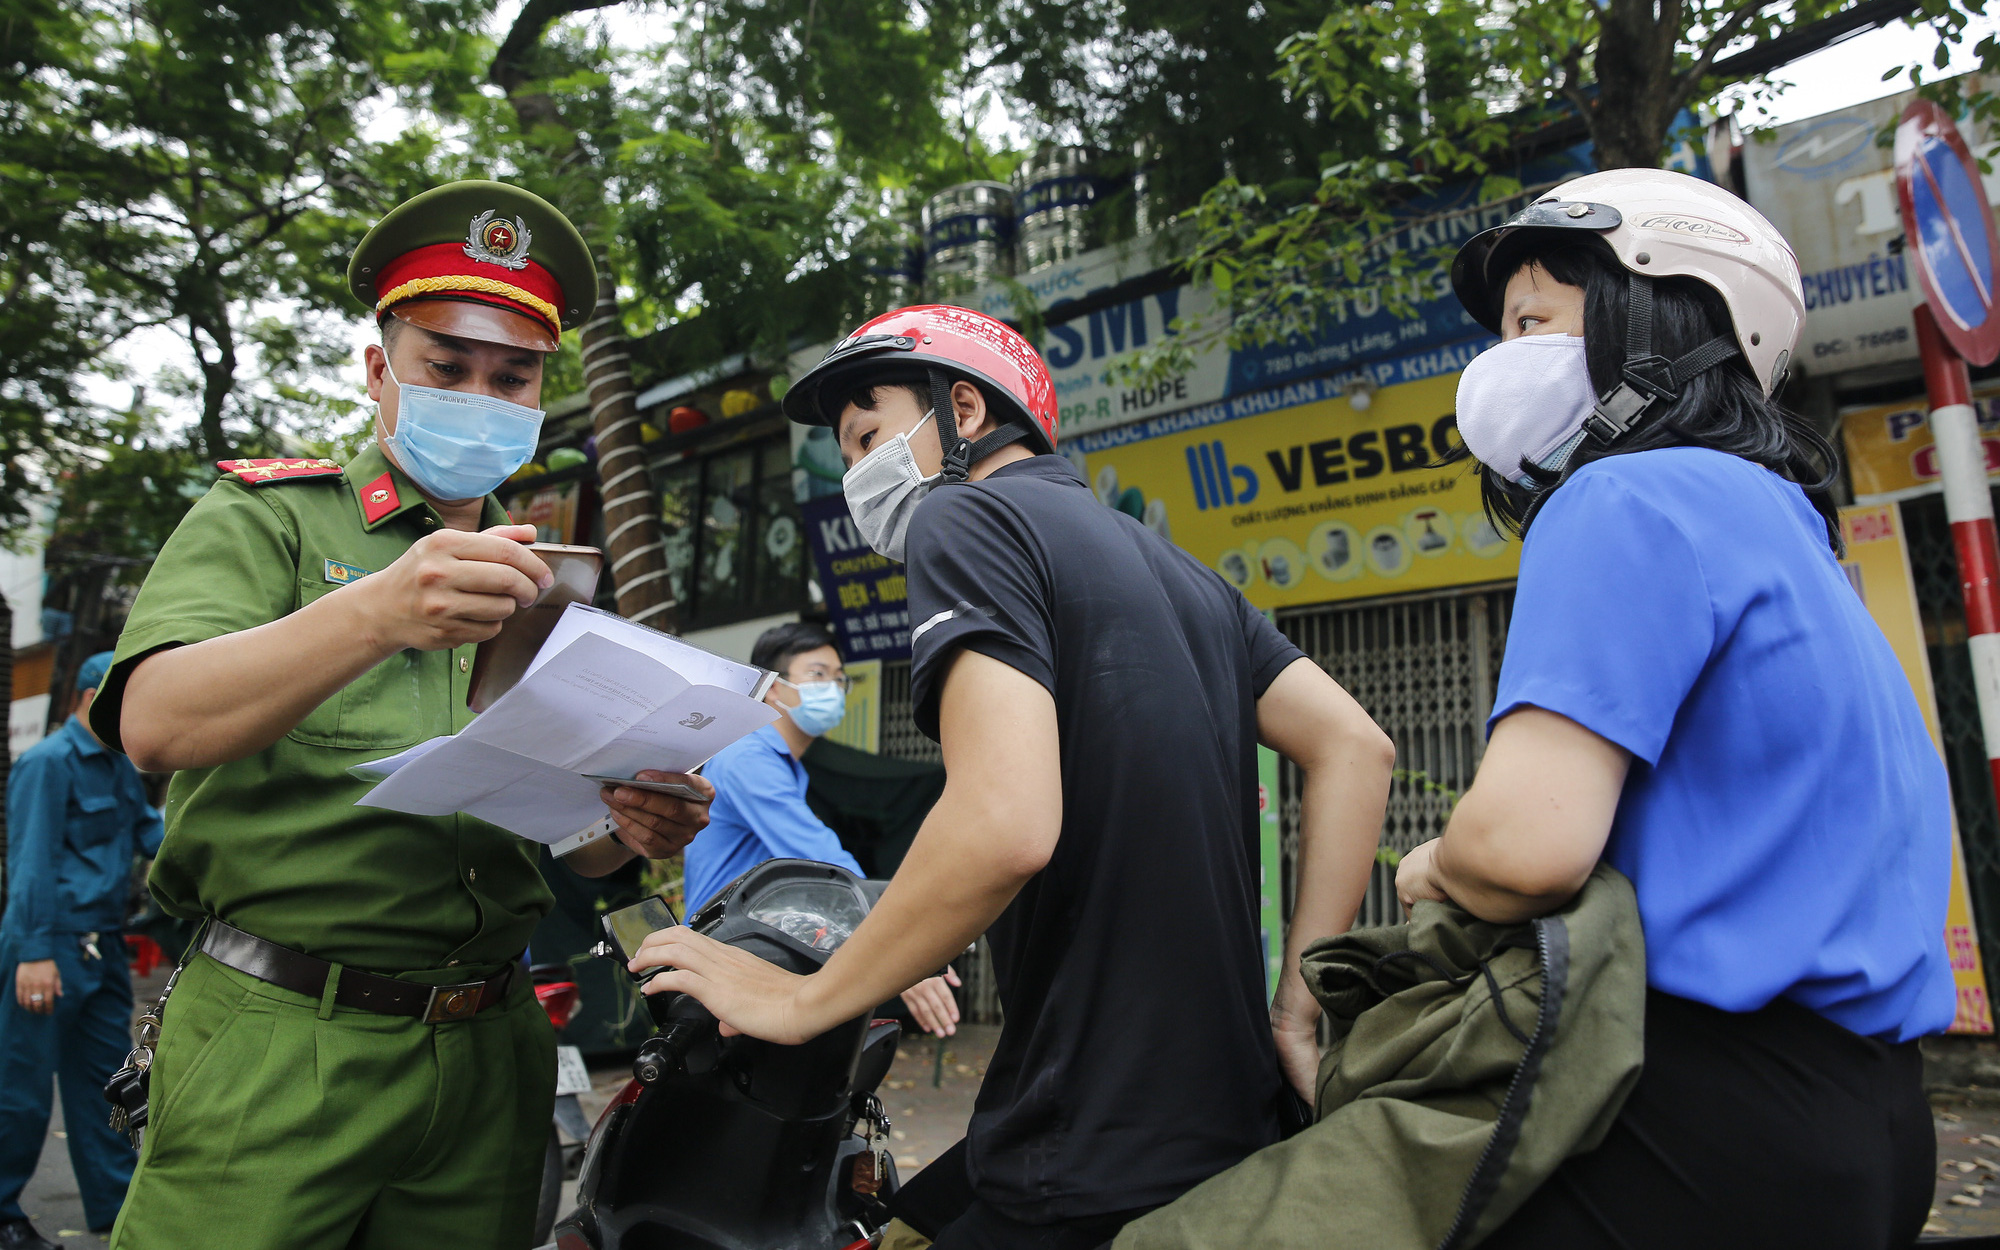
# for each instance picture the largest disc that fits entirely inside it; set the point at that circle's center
(1333, 461)
(1295, 497)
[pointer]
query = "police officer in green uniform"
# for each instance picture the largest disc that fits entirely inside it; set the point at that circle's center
(353, 1058)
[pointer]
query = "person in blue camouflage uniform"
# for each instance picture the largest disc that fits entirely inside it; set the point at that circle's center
(77, 816)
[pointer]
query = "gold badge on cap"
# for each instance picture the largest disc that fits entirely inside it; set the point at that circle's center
(499, 242)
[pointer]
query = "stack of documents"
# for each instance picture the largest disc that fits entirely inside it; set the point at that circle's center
(603, 697)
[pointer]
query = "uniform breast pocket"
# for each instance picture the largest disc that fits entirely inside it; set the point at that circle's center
(377, 709)
(95, 820)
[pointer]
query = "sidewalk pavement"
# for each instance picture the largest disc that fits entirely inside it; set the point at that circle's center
(929, 1096)
(1968, 1180)
(51, 1200)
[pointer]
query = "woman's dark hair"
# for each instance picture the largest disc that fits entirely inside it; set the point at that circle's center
(1723, 408)
(777, 645)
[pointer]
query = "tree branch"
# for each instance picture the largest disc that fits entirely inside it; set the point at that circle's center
(1692, 75)
(510, 70)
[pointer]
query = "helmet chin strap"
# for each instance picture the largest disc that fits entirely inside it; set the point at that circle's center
(960, 452)
(1647, 379)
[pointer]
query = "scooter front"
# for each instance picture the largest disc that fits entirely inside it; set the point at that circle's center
(734, 1143)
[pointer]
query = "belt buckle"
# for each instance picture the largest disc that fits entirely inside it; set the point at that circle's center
(453, 1002)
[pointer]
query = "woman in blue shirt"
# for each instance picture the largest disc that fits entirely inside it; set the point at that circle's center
(1693, 692)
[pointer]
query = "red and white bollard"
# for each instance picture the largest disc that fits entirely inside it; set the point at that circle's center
(1969, 507)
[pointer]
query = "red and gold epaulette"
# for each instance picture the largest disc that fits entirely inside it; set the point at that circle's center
(262, 472)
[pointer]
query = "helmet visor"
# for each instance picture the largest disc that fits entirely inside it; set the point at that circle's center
(1480, 271)
(811, 399)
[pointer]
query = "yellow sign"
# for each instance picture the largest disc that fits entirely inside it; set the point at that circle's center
(1312, 501)
(861, 728)
(1889, 450)
(1878, 563)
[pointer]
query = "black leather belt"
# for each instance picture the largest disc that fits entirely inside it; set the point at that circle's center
(302, 974)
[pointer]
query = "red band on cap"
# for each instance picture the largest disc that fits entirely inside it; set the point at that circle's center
(444, 270)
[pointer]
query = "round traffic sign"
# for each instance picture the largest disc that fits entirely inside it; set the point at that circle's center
(1949, 225)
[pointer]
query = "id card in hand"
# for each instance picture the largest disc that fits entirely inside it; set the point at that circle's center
(677, 788)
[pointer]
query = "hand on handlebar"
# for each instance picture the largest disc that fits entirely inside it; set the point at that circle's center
(747, 994)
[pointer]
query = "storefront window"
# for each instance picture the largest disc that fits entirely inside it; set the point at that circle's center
(781, 547)
(728, 525)
(734, 541)
(680, 498)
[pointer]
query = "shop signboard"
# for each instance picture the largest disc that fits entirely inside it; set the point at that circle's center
(1359, 334)
(867, 596)
(1878, 563)
(1890, 453)
(1297, 497)
(1361, 328)
(1829, 187)
(1361, 331)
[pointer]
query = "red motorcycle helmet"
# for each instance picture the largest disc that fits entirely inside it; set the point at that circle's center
(943, 344)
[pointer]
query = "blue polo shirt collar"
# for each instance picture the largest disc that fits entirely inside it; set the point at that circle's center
(770, 737)
(80, 739)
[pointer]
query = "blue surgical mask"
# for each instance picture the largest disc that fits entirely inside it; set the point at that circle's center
(822, 705)
(457, 445)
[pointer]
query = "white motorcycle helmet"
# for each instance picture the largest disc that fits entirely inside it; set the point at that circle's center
(1658, 224)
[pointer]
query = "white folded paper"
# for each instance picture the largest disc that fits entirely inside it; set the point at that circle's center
(588, 704)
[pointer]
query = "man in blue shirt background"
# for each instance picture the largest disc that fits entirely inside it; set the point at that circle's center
(76, 817)
(760, 810)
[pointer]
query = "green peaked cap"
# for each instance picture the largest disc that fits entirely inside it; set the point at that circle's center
(461, 213)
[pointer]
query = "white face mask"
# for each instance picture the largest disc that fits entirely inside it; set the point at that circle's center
(883, 490)
(1526, 399)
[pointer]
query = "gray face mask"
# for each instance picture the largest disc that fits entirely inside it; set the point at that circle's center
(883, 490)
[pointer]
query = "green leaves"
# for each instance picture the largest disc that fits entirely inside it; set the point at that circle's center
(198, 174)
(1410, 96)
(750, 169)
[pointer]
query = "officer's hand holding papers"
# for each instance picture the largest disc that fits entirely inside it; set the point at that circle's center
(603, 698)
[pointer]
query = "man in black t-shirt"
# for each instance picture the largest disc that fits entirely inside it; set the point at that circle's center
(1098, 695)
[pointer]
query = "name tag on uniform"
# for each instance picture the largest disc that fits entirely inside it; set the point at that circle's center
(341, 574)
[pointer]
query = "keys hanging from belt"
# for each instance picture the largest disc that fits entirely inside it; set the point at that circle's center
(89, 944)
(129, 1089)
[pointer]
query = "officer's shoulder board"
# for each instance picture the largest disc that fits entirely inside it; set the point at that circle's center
(264, 472)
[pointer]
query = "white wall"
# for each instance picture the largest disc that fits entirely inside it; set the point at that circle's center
(21, 582)
(24, 724)
(734, 641)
